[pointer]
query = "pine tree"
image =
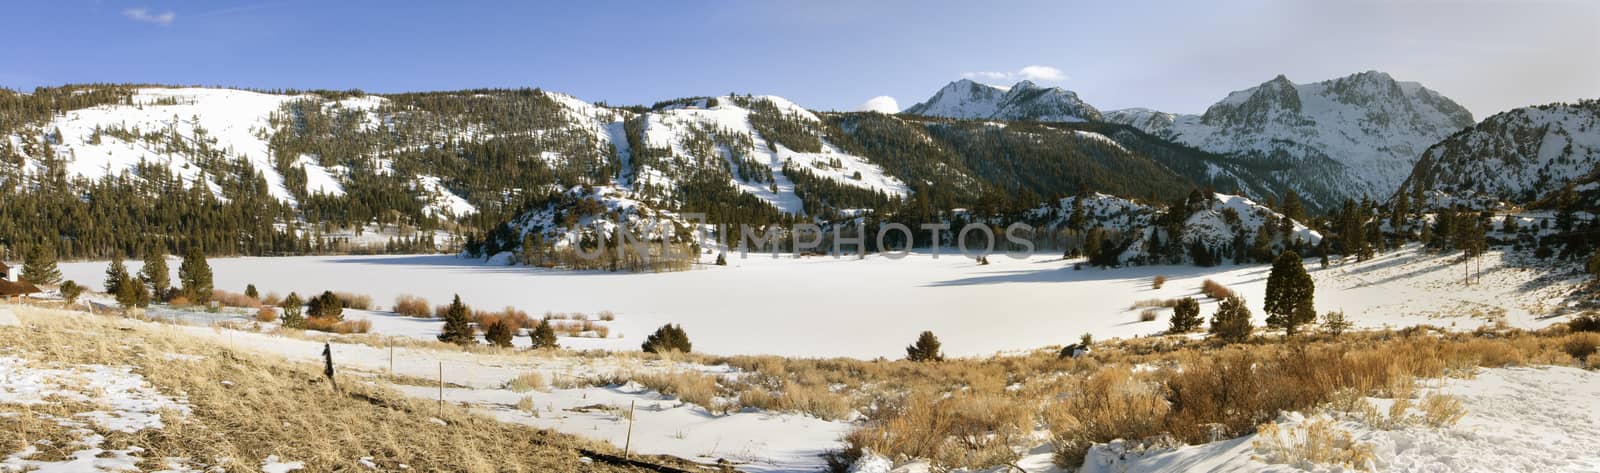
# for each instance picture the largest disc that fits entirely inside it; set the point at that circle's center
(70, 291)
(133, 293)
(457, 327)
(1402, 209)
(1231, 323)
(925, 349)
(498, 333)
(1353, 232)
(1335, 323)
(1290, 292)
(195, 274)
(39, 267)
(116, 275)
(1186, 316)
(667, 338)
(326, 305)
(292, 307)
(1292, 207)
(1076, 219)
(155, 274)
(544, 336)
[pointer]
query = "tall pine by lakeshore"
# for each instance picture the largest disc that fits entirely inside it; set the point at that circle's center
(1290, 294)
(40, 266)
(155, 274)
(195, 275)
(457, 325)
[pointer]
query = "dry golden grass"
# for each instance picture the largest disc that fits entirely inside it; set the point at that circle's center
(1197, 390)
(266, 315)
(1158, 281)
(1111, 404)
(688, 386)
(1316, 442)
(527, 382)
(274, 407)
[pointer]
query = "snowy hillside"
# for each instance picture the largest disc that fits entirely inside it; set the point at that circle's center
(1023, 101)
(719, 133)
(191, 122)
(1219, 224)
(1351, 137)
(1515, 157)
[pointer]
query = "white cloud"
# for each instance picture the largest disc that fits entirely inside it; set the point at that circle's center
(1042, 73)
(1034, 73)
(145, 15)
(880, 104)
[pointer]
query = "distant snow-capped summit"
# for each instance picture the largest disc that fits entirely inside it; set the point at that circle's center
(1022, 101)
(1346, 138)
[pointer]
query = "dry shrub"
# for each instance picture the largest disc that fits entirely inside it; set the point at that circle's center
(1155, 303)
(1109, 405)
(1148, 315)
(1316, 441)
(814, 399)
(354, 301)
(411, 306)
(272, 299)
(266, 315)
(527, 382)
(517, 318)
(332, 325)
(1215, 290)
(178, 301)
(233, 299)
(1581, 345)
(601, 331)
(1158, 281)
(959, 431)
(1442, 410)
(607, 315)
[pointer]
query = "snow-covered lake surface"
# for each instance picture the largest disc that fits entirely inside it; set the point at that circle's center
(865, 308)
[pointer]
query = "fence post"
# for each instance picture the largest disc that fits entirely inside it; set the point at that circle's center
(627, 444)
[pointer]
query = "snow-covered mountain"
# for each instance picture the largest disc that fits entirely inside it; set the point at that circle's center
(1352, 137)
(1023, 101)
(1515, 157)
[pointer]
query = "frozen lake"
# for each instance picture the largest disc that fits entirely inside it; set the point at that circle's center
(821, 306)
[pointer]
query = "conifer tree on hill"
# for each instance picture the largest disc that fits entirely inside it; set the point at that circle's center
(1290, 294)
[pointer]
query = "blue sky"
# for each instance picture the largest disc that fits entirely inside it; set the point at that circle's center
(831, 55)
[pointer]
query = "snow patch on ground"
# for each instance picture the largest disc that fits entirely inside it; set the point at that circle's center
(124, 403)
